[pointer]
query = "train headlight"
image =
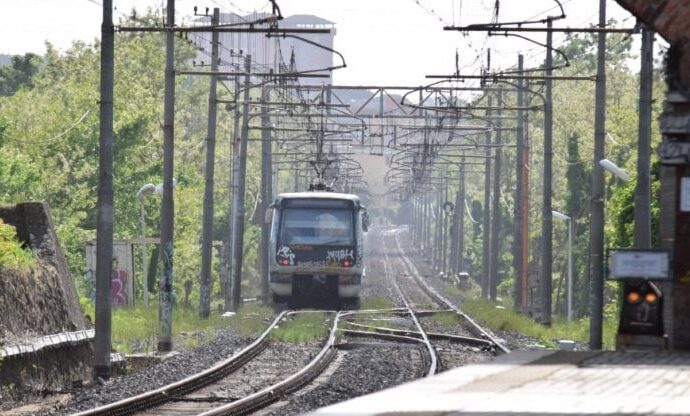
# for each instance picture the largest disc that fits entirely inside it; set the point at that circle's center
(347, 263)
(285, 262)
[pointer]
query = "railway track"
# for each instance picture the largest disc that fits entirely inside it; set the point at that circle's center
(471, 325)
(468, 332)
(216, 391)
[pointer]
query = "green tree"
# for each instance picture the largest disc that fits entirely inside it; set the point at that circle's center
(19, 73)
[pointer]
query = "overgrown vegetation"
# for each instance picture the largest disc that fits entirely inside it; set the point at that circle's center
(500, 318)
(376, 302)
(303, 327)
(135, 329)
(12, 255)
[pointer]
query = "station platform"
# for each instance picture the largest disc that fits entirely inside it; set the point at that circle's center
(545, 382)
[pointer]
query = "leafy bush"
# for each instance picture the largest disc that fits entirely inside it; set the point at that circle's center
(12, 255)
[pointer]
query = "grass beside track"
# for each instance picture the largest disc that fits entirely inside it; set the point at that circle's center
(303, 327)
(500, 318)
(135, 329)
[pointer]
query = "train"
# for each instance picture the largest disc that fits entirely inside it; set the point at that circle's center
(316, 248)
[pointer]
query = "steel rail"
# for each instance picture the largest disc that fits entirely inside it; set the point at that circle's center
(431, 335)
(164, 394)
(432, 353)
(381, 335)
(445, 302)
(272, 393)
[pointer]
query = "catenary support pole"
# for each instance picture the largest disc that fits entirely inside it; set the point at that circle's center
(167, 204)
(207, 221)
(238, 197)
(104, 236)
(642, 201)
(545, 278)
(266, 191)
(233, 187)
(496, 204)
(520, 300)
(460, 206)
(596, 231)
(486, 223)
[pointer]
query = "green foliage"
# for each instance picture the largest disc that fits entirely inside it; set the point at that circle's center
(19, 73)
(303, 327)
(12, 255)
(49, 134)
(376, 303)
(137, 327)
(448, 319)
(251, 320)
(503, 319)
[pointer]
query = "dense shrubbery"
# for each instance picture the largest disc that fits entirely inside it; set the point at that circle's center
(12, 255)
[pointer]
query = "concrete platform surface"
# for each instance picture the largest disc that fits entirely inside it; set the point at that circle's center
(541, 383)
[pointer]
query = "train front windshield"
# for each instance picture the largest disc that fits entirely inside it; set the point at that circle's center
(317, 225)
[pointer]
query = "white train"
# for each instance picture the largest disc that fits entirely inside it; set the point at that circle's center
(316, 251)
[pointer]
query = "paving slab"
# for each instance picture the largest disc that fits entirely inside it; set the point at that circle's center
(546, 382)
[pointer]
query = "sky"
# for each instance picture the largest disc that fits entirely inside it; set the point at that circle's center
(385, 42)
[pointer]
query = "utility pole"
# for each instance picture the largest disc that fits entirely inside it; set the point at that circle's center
(437, 230)
(444, 230)
(104, 237)
(496, 206)
(546, 216)
(167, 204)
(238, 197)
(266, 184)
(486, 223)
(460, 212)
(233, 189)
(520, 239)
(643, 202)
(207, 232)
(596, 230)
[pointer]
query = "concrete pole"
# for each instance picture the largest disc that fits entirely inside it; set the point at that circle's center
(266, 191)
(496, 206)
(437, 231)
(104, 236)
(596, 237)
(546, 215)
(207, 221)
(460, 206)
(569, 310)
(444, 230)
(167, 203)
(643, 189)
(519, 248)
(233, 187)
(238, 197)
(486, 223)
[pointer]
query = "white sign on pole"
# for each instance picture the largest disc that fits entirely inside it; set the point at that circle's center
(685, 194)
(637, 264)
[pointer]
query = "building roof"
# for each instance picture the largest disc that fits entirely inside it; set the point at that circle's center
(308, 19)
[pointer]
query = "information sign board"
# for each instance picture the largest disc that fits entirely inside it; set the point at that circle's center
(640, 264)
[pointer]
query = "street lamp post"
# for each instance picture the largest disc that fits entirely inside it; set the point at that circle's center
(143, 192)
(614, 169)
(561, 216)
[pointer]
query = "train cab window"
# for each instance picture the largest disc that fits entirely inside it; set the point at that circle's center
(317, 226)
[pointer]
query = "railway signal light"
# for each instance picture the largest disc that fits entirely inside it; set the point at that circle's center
(641, 309)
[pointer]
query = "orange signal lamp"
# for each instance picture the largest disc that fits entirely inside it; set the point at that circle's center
(633, 297)
(651, 297)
